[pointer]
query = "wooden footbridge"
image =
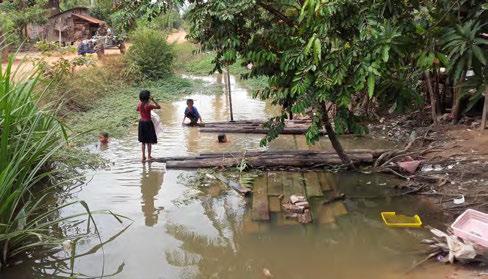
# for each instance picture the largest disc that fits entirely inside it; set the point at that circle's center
(273, 189)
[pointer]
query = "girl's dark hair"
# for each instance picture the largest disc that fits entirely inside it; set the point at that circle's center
(144, 96)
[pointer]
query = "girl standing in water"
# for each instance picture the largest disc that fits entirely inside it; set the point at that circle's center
(147, 132)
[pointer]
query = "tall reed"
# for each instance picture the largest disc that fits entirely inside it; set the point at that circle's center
(29, 138)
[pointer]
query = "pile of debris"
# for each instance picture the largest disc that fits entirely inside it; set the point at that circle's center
(447, 248)
(297, 207)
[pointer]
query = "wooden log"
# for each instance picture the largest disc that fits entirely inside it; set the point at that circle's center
(374, 152)
(310, 161)
(312, 184)
(230, 130)
(257, 122)
(275, 184)
(260, 203)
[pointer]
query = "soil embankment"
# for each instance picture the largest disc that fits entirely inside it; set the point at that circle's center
(454, 159)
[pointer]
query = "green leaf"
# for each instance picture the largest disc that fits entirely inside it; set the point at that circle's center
(317, 49)
(478, 52)
(371, 84)
(309, 45)
(386, 54)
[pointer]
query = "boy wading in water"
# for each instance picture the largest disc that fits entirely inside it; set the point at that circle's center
(147, 132)
(191, 113)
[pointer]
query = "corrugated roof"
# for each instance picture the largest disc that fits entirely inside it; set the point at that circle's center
(90, 19)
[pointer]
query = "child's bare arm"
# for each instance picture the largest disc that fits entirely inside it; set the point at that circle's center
(155, 103)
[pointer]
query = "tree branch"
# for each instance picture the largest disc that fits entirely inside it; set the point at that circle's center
(276, 13)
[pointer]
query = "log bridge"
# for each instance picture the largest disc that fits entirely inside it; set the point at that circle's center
(292, 127)
(301, 159)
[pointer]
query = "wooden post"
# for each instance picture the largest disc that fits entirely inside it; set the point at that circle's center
(433, 101)
(485, 111)
(229, 92)
(59, 32)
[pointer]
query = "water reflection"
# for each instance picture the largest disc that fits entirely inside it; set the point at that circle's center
(151, 181)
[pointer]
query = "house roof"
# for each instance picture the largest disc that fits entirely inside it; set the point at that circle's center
(89, 19)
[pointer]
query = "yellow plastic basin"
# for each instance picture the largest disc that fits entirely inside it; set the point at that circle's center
(393, 220)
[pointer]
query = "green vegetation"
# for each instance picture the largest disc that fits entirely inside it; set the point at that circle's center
(30, 138)
(150, 56)
(115, 112)
(16, 15)
(103, 98)
(322, 56)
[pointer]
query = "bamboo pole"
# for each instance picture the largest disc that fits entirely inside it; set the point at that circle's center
(229, 94)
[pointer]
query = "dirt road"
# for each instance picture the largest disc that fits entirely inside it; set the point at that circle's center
(24, 62)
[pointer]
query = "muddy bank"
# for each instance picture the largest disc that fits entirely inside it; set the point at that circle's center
(454, 159)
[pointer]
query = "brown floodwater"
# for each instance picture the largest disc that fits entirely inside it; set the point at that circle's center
(184, 230)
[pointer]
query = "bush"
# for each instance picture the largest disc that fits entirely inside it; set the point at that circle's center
(80, 89)
(150, 56)
(45, 46)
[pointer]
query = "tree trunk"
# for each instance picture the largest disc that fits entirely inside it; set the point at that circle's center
(485, 112)
(456, 100)
(437, 91)
(433, 100)
(333, 137)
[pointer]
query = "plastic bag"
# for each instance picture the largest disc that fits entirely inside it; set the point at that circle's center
(157, 122)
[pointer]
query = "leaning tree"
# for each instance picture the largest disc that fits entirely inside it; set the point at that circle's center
(316, 55)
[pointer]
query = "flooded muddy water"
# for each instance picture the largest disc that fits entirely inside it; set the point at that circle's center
(183, 230)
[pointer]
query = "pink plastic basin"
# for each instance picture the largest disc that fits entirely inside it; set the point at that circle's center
(472, 225)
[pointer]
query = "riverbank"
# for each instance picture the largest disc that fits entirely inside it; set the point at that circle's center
(453, 159)
(191, 61)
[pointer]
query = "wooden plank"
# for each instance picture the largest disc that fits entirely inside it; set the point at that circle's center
(275, 183)
(283, 221)
(260, 203)
(301, 142)
(328, 213)
(327, 181)
(312, 184)
(287, 186)
(274, 204)
(292, 185)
